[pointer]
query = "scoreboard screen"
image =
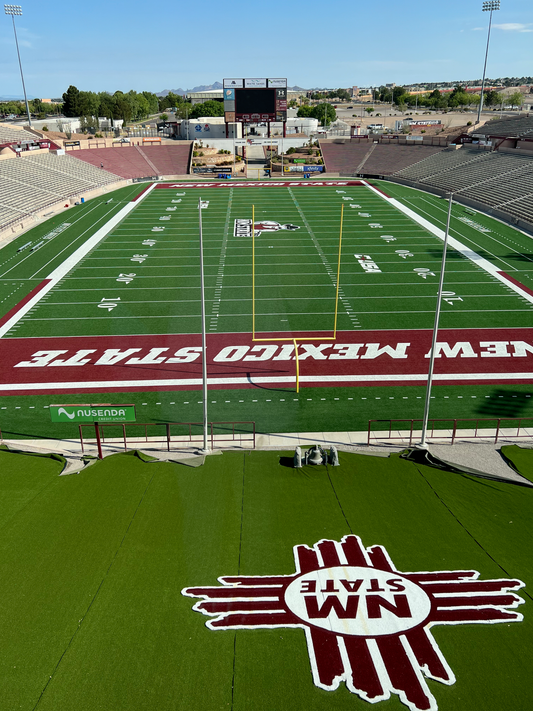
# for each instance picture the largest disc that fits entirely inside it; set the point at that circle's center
(255, 100)
(258, 101)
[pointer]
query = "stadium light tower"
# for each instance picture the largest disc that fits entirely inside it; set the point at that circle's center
(17, 10)
(488, 6)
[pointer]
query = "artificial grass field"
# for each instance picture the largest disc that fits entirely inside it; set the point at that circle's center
(94, 564)
(294, 292)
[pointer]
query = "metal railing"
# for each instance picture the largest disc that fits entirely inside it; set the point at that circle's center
(451, 429)
(168, 434)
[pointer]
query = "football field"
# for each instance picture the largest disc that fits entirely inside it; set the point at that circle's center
(106, 299)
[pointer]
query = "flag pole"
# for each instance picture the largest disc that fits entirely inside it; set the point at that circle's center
(435, 328)
(204, 344)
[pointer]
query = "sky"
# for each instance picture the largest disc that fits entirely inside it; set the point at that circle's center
(171, 46)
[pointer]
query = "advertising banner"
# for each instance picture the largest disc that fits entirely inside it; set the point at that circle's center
(229, 94)
(277, 83)
(229, 117)
(255, 83)
(229, 83)
(229, 106)
(92, 413)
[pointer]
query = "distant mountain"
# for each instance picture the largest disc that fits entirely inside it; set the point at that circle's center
(16, 98)
(210, 87)
(181, 92)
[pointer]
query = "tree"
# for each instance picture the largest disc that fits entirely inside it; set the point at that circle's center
(305, 111)
(369, 110)
(491, 98)
(515, 99)
(208, 108)
(71, 102)
(324, 113)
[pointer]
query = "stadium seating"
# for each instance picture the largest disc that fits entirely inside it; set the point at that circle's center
(372, 158)
(30, 184)
(8, 134)
(139, 161)
(519, 126)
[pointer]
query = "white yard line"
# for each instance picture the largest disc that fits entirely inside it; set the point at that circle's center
(459, 246)
(188, 382)
(72, 261)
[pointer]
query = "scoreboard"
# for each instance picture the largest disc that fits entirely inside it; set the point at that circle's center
(255, 100)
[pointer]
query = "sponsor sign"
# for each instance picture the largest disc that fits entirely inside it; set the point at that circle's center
(426, 122)
(367, 624)
(233, 83)
(212, 169)
(66, 144)
(281, 83)
(229, 116)
(229, 106)
(229, 94)
(281, 105)
(243, 228)
(255, 83)
(303, 168)
(261, 142)
(92, 413)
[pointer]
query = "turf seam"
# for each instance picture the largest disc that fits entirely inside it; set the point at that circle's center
(523, 591)
(93, 600)
(338, 500)
(238, 573)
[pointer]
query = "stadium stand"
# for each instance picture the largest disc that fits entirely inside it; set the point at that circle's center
(515, 127)
(139, 161)
(501, 180)
(9, 134)
(30, 184)
(351, 158)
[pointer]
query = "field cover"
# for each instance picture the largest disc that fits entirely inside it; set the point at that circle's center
(94, 614)
(109, 303)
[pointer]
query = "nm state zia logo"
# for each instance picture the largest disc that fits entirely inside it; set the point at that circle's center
(243, 228)
(366, 623)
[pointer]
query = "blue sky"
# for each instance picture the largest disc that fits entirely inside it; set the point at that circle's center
(155, 47)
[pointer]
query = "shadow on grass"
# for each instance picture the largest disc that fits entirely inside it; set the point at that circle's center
(507, 404)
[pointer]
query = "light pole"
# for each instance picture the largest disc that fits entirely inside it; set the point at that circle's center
(17, 10)
(488, 6)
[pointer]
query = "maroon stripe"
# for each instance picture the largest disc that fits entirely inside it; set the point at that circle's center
(24, 301)
(307, 559)
(478, 586)
(236, 592)
(486, 614)
(329, 554)
(379, 559)
(425, 654)
(364, 674)
(517, 283)
(141, 193)
(401, 672)
(283, 619)
(354, 552)
(327, 655)
(243, 606)
(476, 601)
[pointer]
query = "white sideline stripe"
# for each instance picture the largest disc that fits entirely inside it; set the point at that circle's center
(252, 381)
(71, 262)
(459, 246)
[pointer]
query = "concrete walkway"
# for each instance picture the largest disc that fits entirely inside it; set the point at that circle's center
(480, 453)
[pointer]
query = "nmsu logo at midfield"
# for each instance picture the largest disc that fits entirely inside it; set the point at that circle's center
(366, 623)
(243, 228)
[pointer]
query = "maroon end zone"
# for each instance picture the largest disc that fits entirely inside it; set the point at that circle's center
(173, 362)
(261, 184)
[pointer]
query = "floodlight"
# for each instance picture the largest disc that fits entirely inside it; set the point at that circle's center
(488, 6)
(17, 10)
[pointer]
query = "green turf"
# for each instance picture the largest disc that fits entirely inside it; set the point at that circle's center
(283, 410)
(93, 617)
(294, 290)
(521, 458)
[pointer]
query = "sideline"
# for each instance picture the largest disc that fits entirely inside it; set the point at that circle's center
(54, 277)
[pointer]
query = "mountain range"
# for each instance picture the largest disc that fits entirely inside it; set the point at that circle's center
(208, 87)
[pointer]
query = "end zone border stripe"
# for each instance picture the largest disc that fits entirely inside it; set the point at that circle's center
(514, 281)
(10, 314)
